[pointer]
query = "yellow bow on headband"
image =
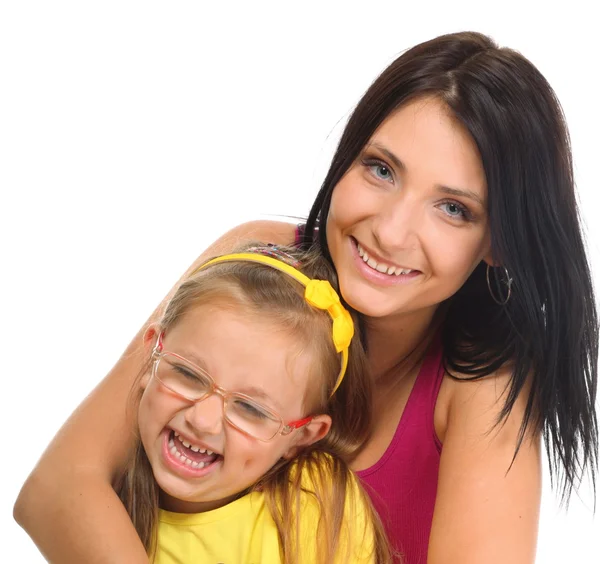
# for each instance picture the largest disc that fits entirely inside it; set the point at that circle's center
(318, 293)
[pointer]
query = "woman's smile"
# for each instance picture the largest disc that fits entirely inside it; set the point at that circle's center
(377, 270)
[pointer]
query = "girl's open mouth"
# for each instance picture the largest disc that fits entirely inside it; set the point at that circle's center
(188, 456)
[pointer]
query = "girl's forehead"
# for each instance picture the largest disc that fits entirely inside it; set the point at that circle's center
(243, 352)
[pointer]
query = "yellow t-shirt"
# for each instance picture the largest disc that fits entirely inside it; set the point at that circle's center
(243, 532)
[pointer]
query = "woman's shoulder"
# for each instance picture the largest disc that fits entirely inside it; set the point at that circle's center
(266, 231)
(475, 409)
(487, 393)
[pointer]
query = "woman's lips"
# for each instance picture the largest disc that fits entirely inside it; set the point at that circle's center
(377, 277)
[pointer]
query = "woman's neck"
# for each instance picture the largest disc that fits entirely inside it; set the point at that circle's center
(400, 341)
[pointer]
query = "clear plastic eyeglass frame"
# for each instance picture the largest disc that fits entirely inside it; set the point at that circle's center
(279, 427)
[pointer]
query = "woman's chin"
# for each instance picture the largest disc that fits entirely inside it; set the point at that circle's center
(367, 305)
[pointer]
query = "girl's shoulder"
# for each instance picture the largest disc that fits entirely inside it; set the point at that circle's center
(321, 481)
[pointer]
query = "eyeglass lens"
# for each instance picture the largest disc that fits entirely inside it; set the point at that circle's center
(189, 381)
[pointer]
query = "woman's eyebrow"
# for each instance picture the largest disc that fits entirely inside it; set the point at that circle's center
(399, 164)
(464, 193)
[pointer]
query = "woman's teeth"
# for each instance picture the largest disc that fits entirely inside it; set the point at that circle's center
(381, 266)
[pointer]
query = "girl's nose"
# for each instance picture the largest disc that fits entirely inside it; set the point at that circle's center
(206, 416)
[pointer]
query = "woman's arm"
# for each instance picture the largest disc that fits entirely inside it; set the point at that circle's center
(485, 512)
(67, 504)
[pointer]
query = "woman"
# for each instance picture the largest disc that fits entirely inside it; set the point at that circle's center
(449, 213)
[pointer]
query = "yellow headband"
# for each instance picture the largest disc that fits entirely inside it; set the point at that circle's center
(318, 293)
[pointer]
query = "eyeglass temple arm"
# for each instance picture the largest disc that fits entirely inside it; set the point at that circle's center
(289, 427)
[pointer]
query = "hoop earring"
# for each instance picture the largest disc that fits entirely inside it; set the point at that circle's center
(508, 283)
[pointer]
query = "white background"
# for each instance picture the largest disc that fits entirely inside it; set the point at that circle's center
(133, 134)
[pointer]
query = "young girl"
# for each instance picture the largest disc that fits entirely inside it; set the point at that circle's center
(252, 396)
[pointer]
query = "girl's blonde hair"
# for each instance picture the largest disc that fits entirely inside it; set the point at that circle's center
(257, 289)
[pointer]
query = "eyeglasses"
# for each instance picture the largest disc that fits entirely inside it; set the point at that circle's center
(191, 383)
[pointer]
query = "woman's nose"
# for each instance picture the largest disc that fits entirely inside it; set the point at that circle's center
(396, 226)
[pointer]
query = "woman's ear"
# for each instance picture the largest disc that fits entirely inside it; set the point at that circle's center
(309, 434)
(488, 256)
(489, 260)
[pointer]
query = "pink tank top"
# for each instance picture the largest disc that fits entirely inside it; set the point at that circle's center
(403, 483)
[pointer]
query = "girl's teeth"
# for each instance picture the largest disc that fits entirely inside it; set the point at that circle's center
(188, 444)
(185, 460)
(180, 456)
(372, 263)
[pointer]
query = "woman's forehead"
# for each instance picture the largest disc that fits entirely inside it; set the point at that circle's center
(423, 136)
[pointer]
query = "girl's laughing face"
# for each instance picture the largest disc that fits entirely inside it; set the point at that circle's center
(200, 461)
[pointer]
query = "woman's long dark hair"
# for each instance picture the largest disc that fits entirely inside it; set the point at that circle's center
(548, 329)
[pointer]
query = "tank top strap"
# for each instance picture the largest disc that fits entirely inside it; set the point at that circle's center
(423, 397)
(416, 429)
(299, 234)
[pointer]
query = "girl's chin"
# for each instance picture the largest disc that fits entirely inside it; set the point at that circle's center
(180, 500)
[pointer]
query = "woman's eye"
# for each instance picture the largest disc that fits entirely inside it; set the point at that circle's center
(455, 210)
(378, 169)
(382, 171)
